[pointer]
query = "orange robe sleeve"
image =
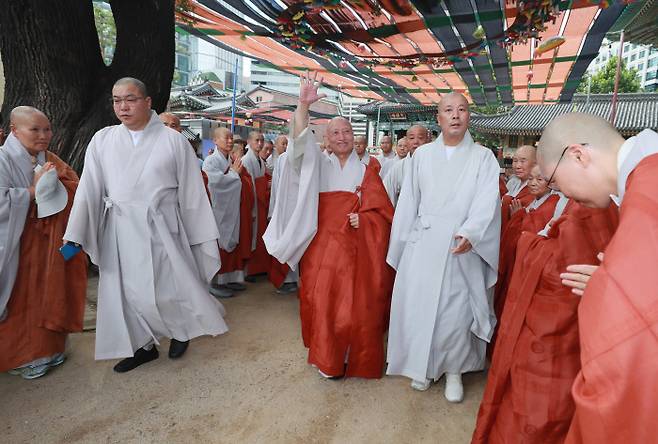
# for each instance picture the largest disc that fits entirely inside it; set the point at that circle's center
(528, 394)
(524, 196)
(346, 284)
(48, 298)
(502, 187)
(616, 392)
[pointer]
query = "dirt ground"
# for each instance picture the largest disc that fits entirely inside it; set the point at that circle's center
(250, 385)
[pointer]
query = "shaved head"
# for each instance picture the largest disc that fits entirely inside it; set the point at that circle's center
(125, 81)
(360, 145)
(31, 127)
(523, 160)
(223, 139)
(281, 144)
(256, 140)
(416, 136)
(579, 152)
(340, 137)
(21, 114)
(401, 149)
(171, 120)
(386, 144)
(453, 117)
(452, 98)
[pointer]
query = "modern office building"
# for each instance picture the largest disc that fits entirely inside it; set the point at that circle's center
(641, 57)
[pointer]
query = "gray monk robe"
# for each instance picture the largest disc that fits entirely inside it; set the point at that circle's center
(441, 313)
(142, 214)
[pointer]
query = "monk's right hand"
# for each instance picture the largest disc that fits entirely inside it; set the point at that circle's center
(577, 276)
(44, 169)
(308, 90)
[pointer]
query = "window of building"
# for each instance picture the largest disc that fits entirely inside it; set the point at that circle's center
(633, 57)
(642, 53)
(653, 62)
(650, 75)
(259, 99)
(640, 67)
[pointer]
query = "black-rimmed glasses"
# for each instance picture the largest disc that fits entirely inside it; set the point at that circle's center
(550, 179)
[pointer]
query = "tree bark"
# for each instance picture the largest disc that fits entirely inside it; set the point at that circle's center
(53, 61)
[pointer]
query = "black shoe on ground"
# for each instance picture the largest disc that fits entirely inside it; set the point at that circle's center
(236, 286)
(221, 292)
(251, 278)
(177, 348)
(287, 288)
(141, 357)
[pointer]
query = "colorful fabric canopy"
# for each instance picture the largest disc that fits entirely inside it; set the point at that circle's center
(415, 51)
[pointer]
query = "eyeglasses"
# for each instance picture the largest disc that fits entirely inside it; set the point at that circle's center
(550, 179)
(128, 100)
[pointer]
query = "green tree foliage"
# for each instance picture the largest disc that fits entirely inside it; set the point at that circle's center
(603, 82)
(107, 30)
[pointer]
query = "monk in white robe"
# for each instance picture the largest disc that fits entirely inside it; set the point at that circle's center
(444, 246)
(225, 188)
(386, 145)
(142, 215)
(360, 148)
(333, 215)
(416, 136)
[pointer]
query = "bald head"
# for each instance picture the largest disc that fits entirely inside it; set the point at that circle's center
(281, 144)
(452, 98)
(401, 149)
(416, 136)
(21, 114)
(31, 127)
(340, 137)
(360, 145)
(580, 152)
(256, 140)
(223, 139)
(171, 120)
(386, 144)
(523, 160)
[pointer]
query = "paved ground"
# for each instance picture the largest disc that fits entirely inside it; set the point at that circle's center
(250, 385)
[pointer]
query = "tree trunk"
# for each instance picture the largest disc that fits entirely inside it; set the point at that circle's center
(52, 61)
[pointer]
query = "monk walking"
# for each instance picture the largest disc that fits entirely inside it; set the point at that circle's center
(42, 296)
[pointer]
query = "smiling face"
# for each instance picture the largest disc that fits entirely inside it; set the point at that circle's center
(33, 131)
(340, 138)
(131, 107)
(453, 118)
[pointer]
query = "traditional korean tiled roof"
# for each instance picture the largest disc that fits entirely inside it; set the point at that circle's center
(635, 112)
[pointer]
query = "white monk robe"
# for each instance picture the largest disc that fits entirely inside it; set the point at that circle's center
(383, 158)
(293, 275)
(256, 168)
(305, 173)
(387, 164)
(224, 185)
(394, 179)
(441, 313)
(142, 214)
(514, 185)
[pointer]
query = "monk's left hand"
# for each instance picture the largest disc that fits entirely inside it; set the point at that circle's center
(354, 220)
(577, 276)
(463, 246)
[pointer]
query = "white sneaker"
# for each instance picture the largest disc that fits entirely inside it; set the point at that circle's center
(454, 388)
(421, 386)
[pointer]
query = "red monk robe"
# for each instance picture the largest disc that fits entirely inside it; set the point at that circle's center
(260, 261)
(48, 298)
(502, 186)
(237, 259)
(345, 283)
(521, 221)
(524, 196)
(528, 394)
(616, 392)
(374, 163)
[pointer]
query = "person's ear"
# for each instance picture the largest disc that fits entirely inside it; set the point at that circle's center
(580, 154)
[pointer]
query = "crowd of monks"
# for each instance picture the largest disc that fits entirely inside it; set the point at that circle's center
(425, 260)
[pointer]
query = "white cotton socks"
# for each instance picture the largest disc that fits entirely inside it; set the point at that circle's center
(421, 386)
(454, 391)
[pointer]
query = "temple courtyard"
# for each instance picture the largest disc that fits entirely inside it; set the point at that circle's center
(250, 385)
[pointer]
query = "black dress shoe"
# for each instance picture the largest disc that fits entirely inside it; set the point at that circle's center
(141, 357)
(177, 348)
(251, 278)
(287, 288)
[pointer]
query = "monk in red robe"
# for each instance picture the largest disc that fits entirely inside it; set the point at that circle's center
(522, 162)
(528, 394)
(615, 390)
(333, 213)
(531, 218)
(46, 294)
(260, 261)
